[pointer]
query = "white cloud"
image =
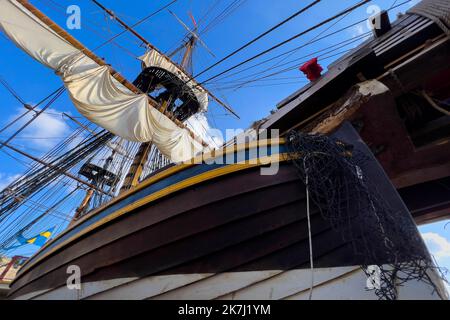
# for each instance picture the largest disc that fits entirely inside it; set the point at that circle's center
(359, 29)
(199, 124)
(77, 140)
(6, 179)
(439, 247)
(413, 2)
(437, 244)
(44, 132)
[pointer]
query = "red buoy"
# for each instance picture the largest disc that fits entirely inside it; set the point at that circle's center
(312, 69)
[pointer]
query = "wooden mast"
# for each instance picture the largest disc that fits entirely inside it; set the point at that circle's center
(147, 43)
(137, 167)
(82, 207)
(142, 155)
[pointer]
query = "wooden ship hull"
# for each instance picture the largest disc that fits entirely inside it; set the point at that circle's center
(222, 228)
(212, 231)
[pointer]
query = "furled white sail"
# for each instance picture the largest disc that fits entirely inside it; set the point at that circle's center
(153, 58)
(94, 91)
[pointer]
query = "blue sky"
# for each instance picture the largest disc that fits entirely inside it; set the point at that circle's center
(254, 101)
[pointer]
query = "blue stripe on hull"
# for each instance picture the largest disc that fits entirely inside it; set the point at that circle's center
(247, 154)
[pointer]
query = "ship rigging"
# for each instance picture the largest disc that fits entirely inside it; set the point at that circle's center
(124, 181)
(103, 165)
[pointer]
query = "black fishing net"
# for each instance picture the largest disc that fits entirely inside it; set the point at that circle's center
(380, 236)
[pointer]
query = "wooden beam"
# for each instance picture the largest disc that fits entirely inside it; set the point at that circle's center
(419, 175)
(357, 97)
(428, 201)
(418, 69)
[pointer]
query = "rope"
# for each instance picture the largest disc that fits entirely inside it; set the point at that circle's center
(434, 104)
(260, 36)
(135, 24)
(308, 215)
(308, 43)
(344, 12)
(56, 96)
(11, 90)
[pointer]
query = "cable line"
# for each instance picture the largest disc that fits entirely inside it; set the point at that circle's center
(57, 94)
(328, 49)
(290, 39)
(30, 109)
(230, 9)
(136, 24)
(260, 36)
(308, 43)
(11, 90)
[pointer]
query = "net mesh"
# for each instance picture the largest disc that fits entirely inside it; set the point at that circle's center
(379, 235)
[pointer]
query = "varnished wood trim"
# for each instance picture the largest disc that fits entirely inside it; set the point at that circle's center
(162, 175)
(157, 195)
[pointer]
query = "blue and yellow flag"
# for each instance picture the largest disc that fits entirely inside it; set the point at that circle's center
(38, 240)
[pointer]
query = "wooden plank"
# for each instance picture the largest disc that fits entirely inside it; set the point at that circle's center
(403, 34)
(210, 194)
(368, 94)
(249, 209)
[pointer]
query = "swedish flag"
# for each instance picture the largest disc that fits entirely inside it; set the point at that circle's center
(38, 240)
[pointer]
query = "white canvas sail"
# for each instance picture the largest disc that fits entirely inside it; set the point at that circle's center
(95, 92)
(153, 58)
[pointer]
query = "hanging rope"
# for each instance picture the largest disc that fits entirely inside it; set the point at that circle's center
(308, 215)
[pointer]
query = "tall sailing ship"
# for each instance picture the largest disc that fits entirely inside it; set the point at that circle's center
(162, 212)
